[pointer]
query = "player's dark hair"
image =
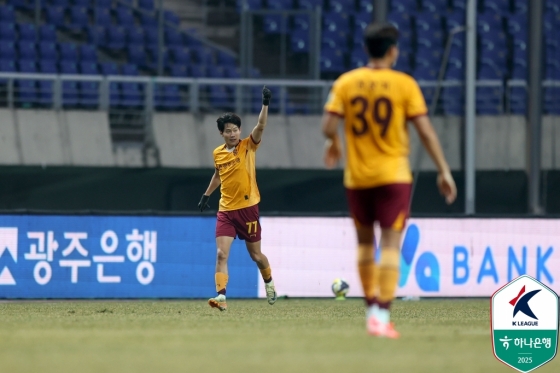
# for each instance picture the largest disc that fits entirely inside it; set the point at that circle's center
(228, 118)
(379, 37)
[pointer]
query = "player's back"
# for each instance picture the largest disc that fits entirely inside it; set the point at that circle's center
(375, 105)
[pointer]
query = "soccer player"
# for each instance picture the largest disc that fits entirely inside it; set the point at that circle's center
(238, 213)
(375, 103)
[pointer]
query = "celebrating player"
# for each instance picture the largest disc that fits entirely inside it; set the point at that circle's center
(238, 214)
(376, 102)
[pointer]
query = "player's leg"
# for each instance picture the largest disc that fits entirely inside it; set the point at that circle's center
(254, 249)
(225, 233)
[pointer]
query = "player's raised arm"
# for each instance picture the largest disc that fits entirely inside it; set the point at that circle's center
(263, 116)
(430, 140)
(214, 183)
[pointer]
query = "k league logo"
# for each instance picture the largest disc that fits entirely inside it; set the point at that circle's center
(521, 303)
(8, 243)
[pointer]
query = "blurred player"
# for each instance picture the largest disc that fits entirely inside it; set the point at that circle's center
(238, 214)
(376, 102)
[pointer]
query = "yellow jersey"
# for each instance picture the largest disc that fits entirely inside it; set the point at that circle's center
(236, 168)
(376, 105)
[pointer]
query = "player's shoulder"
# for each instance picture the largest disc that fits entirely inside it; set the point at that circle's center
(351, 75)
(402, 77)
(218, 149)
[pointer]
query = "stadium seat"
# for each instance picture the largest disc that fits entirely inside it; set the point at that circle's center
(551, 7)
(490, 70)
(299, 41)
(83, 3)
(68, 51)
(179, 70)
(151, 36)
(519, 69)
(434, 6)
(124, 16)
(146, 4)
(97, 35)
(404, 6)
(131, 95)
(89, 94)
(7, 31)
(22, 5)
(60, 3)
(225, 59)
(404, 62)
(488, 23)
(180, 55)
(336, 22)
(203, 55)
(154, 56)
(137, 54)
(68, 67)
(430, 39)
(27, 32)
(518, 100)
(55, 15)
(78, 18)
(88, 68)
(7, 50)
(70, 94)
(332, 61)
(310, 4)
(148, 20)
(27, 50)
(7, 13)
(168, 97)
(341, 6)
(361, 20)
(272, 24)
(129, 69)
(117, 38)
(489, 100)
(517, 24)
(358, 58)
(300, 22)
(88, 53)
(401, 20)
(135, 36)
(454, 20)
(520, 6)
(102, 17)
(171, 17)
(455, 69)
(47, 51)
(47, 33)
(497, 6)
(281, 4)
(425, 70)
(249, 4)
(551, 100)
(232, 72)
(109, 68)
(365, 6)
(7, 66)
(220, 98)
(334, 39)
(215, 72)
(198, 71)
(173, 37)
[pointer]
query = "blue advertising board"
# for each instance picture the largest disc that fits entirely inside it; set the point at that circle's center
(116, 257)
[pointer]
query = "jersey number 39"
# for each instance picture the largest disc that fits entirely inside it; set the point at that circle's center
(382, 113)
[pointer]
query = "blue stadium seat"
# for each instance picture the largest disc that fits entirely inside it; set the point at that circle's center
(551, 100)
(518, 100)
(433, 55)
(7, 50)
(336, 22)
(78, 18)
(117, 39)
(404, 6)
(26, 89)
(497, 6)
(129, 69)
(22, 4)
(198, 71)
(249, 4)
(97, 35)
(7, 31)
(299, 41)
(88, 53)
(47, 51)
(148, 20)
(454, 20)
(332, 61)
(225, 59)
(519, 49)
(435, 6)
(137, 54)
(55, 15)
(89, 94)
(272, 24)
(7, 66)
(425, 70)
(203, 55)
(519, 69)
(47, 33)
(109, 68)
(179, 70)
(300, 22)
(48, 67)
(489, 100)
(430, 39)
(84, 3)
(132, 95)
(151, 36)
(552, 7)
(341, 6)
(401, 20)
(173, 37)
(154, 55)
(281, 4)
(365, 6)
(27, 50)
(68, 51)
(490, 70)
(488, 23)
(459, 5)
(60, 3)
(215, 72)
(27, 32)
(114, 94)
(70, 94)
(361, 21)
(403, 63)
(88, 68)
(171, 17)
(191, 41)
(428, 21)
(220, 98)
(517, 24)
(146, 4)
(135, 36)
(453, 99)
(68, 67)
(168, 97)
(334, 39)
(358, 58)
(7, 13)
(180, 55)
(102, 17)
(520, 6)
(232, 72)
(310, 4)
(552, 70)
(124, 16)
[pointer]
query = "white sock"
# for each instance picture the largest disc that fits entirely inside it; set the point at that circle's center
(383, 315)
(372, 310)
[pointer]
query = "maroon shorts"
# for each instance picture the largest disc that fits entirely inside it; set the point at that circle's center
(243, 223)
(387, 204)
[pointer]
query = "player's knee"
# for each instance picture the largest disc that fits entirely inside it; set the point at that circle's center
(257, 257)
(221, 255)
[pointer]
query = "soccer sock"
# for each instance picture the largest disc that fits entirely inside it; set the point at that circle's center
(266, 275)
(367, 270)
(388, 276)
(221, 282)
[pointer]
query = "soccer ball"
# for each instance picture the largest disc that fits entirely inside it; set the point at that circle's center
(340, 288)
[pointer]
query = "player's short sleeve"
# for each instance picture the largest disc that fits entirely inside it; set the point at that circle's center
(415, 104)
(251, 144)
(335, 103)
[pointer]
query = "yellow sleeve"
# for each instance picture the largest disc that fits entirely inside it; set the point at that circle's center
(251, 144)
(335, 103)
(415, 104)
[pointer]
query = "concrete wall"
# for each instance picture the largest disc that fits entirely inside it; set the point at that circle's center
(82, 138)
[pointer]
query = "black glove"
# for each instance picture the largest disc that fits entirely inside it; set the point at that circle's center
(203, 204)
(266, 95)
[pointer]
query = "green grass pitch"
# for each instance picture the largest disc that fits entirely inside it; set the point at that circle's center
(294, 335)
